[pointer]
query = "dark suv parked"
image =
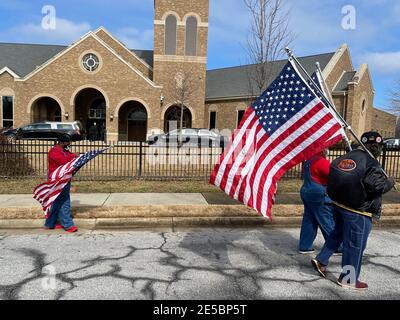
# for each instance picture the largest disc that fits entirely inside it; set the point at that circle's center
(50, 131)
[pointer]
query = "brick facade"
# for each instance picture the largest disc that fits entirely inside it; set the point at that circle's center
(127, 83)
(64, 78)
(167, 68)
(355, 104)
(384, 123)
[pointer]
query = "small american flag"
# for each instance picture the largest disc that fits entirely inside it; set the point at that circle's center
(287, 125)
(47, 192)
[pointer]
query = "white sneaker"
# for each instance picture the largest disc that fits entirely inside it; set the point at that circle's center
(307, 251)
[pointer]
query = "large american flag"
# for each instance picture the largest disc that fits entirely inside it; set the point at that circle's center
(47, 192)
(285, 126)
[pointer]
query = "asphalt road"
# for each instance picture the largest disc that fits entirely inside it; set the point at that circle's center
(191, 264)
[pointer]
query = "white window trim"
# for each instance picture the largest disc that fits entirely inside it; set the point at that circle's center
(10, 72)
(81, 64)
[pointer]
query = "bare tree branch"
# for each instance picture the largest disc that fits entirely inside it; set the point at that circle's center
(184, 91)
(394, 98)
(269, 35)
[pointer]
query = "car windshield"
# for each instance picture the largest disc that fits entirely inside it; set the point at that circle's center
(64, 126)
(208, 133)
(184, 132)
(39, 126)
(190, 132)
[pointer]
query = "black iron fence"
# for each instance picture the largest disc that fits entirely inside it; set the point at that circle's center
(137, 160)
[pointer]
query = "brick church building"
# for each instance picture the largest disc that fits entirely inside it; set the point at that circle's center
(133, 93)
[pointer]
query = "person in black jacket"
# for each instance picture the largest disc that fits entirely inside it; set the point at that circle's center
(356, 184)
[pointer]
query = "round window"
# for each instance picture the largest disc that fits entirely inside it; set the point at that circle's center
(90, 62)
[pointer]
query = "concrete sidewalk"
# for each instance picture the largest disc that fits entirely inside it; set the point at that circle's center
(153, 199)
(110, 199)
(171, 210)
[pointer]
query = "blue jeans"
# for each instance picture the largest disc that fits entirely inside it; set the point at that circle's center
(353, 229)
(61, 210)
(316, 214)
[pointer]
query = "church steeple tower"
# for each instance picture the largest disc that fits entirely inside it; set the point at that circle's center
(180, 46)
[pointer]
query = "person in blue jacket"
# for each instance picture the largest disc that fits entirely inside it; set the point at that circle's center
(318, 209)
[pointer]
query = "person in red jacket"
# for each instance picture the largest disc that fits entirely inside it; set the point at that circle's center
(318, 209)
(60, 213)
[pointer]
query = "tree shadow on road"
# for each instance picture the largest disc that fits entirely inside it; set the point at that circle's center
(260, 254)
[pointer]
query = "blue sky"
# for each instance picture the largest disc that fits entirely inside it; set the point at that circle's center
(317, 25)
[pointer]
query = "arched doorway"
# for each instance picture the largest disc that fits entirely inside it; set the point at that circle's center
(172, 118)
(132, 122)
(91, 111)
(46, 109)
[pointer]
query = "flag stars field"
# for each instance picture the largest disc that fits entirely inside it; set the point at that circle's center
(299, 126)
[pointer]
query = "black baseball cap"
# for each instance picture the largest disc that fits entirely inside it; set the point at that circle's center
(371, 137)
(64, 138)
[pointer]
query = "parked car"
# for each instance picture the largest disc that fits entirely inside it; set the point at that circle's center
(392, 143)
(51, 131)
(190, 137)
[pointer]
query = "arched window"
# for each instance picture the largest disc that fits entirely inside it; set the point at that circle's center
(137, 115)
(98, 109)
(170, 35)
(172, 118)
(363, 107)
(191, 36)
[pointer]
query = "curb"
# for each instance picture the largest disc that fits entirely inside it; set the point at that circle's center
(174, 217)
(178, 223)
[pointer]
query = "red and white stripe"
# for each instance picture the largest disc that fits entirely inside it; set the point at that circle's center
(48, 192)
(254, 161)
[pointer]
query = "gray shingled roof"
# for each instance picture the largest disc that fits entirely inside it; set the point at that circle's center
(145, 55)
(24, 58)
(221, 83)
(344, 81)
(234, 82)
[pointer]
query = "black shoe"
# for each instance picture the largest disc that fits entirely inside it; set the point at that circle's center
(320, 268)
(306, 251)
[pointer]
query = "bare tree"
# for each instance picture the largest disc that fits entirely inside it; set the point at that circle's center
(184, 92)
(269, 35)
(394, 98)
(394, 104)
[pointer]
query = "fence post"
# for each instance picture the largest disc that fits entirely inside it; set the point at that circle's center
(140, 158)
(384, 158)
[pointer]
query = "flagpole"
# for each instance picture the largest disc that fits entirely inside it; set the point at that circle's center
(319, 70)
(324, 86)
(329, 105)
